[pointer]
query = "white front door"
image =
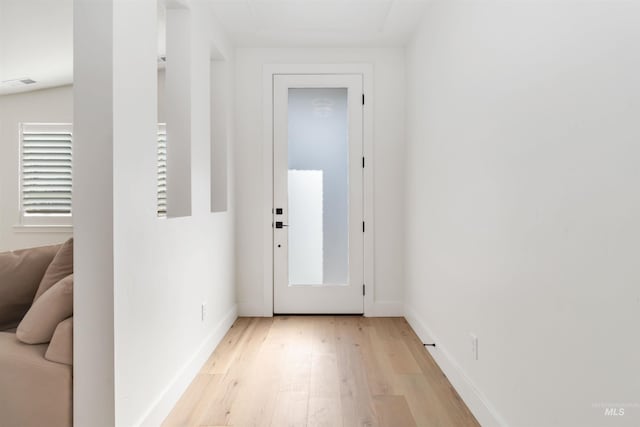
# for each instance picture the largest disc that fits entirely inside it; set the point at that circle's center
(318, 208)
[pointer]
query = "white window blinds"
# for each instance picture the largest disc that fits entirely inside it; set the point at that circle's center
(162, 170)
(46, 158)
(45, 169)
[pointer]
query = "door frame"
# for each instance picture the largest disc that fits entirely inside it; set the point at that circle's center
(366, 71)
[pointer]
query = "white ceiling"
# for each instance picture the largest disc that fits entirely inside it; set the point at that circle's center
(319, 23)
(36, 36)
(36, 41)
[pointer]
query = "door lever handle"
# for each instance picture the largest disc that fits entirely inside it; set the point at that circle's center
(279, 224)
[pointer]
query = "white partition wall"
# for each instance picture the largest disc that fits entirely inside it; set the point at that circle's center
(141, 281)
(93, 206)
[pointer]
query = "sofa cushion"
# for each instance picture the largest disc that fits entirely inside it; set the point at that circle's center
(43, 317)
(61, 266)
(60, 348)
(34, 391)
(20, 274)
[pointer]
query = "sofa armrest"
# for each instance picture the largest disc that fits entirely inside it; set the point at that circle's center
(60, 348)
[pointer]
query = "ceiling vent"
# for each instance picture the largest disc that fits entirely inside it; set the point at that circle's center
(16, 83)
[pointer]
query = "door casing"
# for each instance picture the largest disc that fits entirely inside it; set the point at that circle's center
(366, 71)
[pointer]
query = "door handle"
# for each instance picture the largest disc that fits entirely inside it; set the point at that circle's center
(279, 224)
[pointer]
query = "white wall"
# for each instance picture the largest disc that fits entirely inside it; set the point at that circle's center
(523, 205)
(162, 269)
(388, 65)
(43, 106)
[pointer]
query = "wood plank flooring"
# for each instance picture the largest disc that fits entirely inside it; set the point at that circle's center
(320, 371)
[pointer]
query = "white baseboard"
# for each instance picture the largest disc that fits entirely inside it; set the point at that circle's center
(380, 309)
(477, 403)
(172, 393)
(388, 309)
(251, 309)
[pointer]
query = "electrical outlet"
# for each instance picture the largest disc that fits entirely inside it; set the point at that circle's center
(474, 346)
(203, 311)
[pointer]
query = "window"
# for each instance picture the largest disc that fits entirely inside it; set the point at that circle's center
(45, 173)
(162, 170)
(46, 154)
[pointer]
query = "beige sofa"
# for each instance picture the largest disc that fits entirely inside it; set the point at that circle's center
(36, 337)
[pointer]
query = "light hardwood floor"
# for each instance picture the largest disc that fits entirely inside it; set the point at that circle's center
(320, 371)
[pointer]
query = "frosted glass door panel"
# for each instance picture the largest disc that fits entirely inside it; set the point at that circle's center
(318, 186)
(305, 243)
